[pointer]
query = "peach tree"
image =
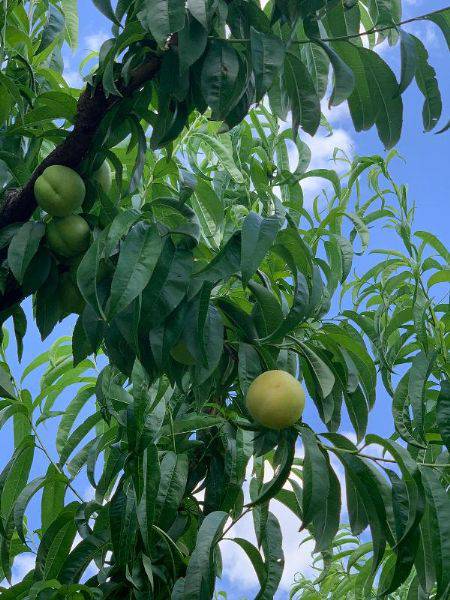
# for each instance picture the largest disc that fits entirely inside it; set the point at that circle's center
(195, 269)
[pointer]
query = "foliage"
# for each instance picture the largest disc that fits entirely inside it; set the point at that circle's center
(346, 573)
(203, 240)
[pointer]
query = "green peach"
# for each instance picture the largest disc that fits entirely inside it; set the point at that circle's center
(59, 191)
(68, 237)
(103, 177)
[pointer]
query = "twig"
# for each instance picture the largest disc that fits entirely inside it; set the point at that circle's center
(378, 458)
(342, 38)
(233, 523)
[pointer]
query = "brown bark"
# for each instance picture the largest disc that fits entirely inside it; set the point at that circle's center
(19, 204)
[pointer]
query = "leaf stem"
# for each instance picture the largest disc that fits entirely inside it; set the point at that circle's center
(377, 458)
(57, 467)
(343, 38)
(233, 523)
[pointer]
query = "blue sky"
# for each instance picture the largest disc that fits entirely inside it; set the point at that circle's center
(425, 170)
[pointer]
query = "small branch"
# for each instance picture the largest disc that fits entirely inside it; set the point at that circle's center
(92, 106)
(44, 450)
(233, 523)
(378, 458)
(380, 29)
(343, 38)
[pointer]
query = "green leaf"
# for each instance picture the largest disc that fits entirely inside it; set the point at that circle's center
(249, 365)
(23, 247)
(442, 19)
(54, 25)
(120, 227)
(435, 243)
(303, 98)
(200, 575)
(282, 464)
(21, 503)
(421, 366)
(71, 412)
(219, 78)
(7, 389)
(79, 558)
(370, 490)
(146, 504)
(318, 65)
(257, 236)
(328, 174)
(52, 502)
(267, 312)
(443, 413)
(273, 558)
(255, 558)
(122, 522)
(56, 543)
(77, 435)
(267, 53)
(16, 477)
(174, 473)
(428, 85)
(87, 274)
(344, 80)
(325, 523)
(375, 98)
(161, 18)
(70, 10)
(439, 502)
(199, 10)
(220, 146)
(139, 253)
(104, 6)
(439, 277)
(167, 286)
(192, 40)
(316, 478)
(400, 411)
(324, 375)
(408, 60)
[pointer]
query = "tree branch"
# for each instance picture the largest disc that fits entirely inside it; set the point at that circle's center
(19, 204)
(343, 38)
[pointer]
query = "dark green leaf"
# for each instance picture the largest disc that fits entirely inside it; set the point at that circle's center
(428, 85)
(316, 478)
(23, 247)
(303, 98)
(139, 253)
(443, 413)
(344, 80)
(258, 234)
(200, 575)
(267, 59)
(408, 60)
(219, 77)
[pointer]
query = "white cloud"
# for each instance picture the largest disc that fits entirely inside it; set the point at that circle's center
(93, 42)
(298, 559)
(23, 564)
(73, 78)
(322, 147)
(336, 115)
(236, 564)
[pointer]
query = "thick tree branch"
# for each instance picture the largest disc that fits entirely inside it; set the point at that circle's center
(19, 204)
